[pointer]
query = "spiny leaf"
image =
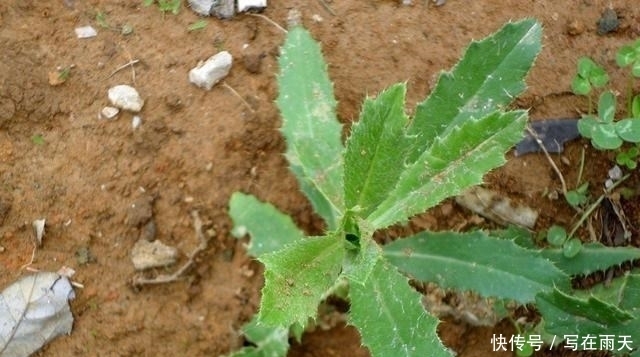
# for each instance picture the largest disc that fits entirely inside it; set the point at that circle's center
(309, 124)
(249, 216)
(451, 164)
(297, 277)
(267, 341)
(570, 315)
(376, 150)
(623, 292)
(592, 257)
(391, 318)
(474, 261)
(488, 77)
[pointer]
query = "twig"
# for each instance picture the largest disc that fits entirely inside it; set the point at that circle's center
(595, 205)
(553, 164)
(270, 21)
(327, 7)
(130, 63)
(177, 275)
(237, 95)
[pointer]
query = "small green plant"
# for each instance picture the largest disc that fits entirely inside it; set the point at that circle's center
(628, 158)
(602, 129)
(578, 197)
(604, 132)
(37, 139)
(390, 168)
(172, 6)
(198, 25)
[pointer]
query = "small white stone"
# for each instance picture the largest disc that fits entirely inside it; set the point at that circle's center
(86, 32)
(615, 173)
(136, 121)
(126, 98)
(109, 112)
(246, 5)
(210, 72)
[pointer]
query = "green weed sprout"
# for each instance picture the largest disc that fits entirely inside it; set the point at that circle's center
(589, 75)
(629, 55)
(390, 168)
(604, 132)
(628, 158)
(172, 6)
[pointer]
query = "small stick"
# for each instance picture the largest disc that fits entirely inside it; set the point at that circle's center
(270, 21)
(238, 95)
(130, 63)
(327, 7)
(553, 164)
(177, 275)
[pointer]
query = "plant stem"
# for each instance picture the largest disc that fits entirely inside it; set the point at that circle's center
(581, 169)
(595, 205)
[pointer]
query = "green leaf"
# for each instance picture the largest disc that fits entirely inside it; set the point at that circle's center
(625, 56)
(297, 277)
(249, 216)
(556, 235)
(635, 106)
(629, 129)
(579, 196)
(585, 66)
(450, 164)
(571, 247)
(391, 318)
(198, 25)
(359, 263)
(592, 257)
(475, 261)
(267, 341)
(580, 86)
(607, 107)
(488, 77)
(623, 292)
(587, 125)
(605, 137)
(376, 151)
(593, 311)
(598, 77)
(309, 124)
(569, 315)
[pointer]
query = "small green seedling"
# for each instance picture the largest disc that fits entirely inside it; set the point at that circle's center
(578, 197)
(172, 6)
(557, 237)
(37, 139)
(628, 158)
(629, 55)
(391, 167)
(101, 20)
(604, 132)
(589, 75)
(198, 25)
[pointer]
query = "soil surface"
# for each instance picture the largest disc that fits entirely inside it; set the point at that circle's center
(101, 184)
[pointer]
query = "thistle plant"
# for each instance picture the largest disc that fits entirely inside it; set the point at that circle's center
(392, 167)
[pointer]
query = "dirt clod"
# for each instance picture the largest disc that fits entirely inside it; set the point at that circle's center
(608, 22)
(140, 211)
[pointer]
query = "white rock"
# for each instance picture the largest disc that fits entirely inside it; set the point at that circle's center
(210, 72)
(86, 32)
(245, 5)
(136, 121)
(109, 112)
(146, 255)
(126, 98)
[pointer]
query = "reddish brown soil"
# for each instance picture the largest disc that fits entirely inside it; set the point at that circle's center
(196, 147)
